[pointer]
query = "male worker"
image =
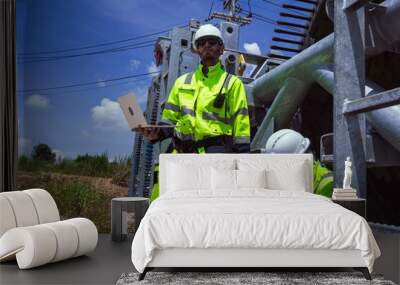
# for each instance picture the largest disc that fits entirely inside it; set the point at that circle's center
(208, 107)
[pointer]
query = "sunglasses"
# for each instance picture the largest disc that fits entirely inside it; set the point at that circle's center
(211, 42)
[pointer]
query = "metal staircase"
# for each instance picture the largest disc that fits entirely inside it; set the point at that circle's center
(290, 35)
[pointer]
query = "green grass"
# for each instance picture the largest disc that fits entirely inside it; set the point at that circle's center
(71, 198)
(84, 165)
(76, 196)
(27, 164)
(76, 199)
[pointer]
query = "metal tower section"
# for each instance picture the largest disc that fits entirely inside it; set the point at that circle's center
(133, 183)
(141, 172)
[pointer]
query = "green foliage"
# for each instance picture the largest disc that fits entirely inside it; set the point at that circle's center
(77, 199)
(27, 164)
(23, 162)
(83, 165)
(94, 165)
(323, 180)
(75, 194)
(71, 197)
(43, 152)
(120, 169)
(67, 166)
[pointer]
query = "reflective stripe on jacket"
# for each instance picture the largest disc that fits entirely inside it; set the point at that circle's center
(190, 106)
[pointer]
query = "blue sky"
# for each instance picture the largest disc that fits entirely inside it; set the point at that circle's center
(87, 119)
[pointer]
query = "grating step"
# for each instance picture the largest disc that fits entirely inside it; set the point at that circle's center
(279, 31)
(283, 23)
(276, 39)
(287, 15)
(273, 55)
(288, 6)
(285, 49)
(314, 2)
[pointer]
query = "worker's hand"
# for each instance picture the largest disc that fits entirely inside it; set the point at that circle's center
(148, 133)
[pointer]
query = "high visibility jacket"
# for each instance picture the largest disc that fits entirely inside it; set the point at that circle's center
(156, 186)
(323, 180)
(156, 181)
(190, 106)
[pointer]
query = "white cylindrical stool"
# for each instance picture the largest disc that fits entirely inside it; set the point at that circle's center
(124, 211)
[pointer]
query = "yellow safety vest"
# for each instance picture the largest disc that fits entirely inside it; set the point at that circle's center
(156, 186)
(191, 107)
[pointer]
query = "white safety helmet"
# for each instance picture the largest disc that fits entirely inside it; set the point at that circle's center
(206, 30)
(287, 141)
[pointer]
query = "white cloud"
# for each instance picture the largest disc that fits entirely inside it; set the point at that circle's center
(252, 48)
(37, 101)
(134, 64)
(153, 68)
(101, 83)
(85, 133)
(108, 115)
(59, 155)
(141, 93)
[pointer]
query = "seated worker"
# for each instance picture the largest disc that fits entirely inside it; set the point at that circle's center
(208, 107)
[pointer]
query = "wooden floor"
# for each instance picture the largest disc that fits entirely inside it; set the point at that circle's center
(110, 259)
(103, 266)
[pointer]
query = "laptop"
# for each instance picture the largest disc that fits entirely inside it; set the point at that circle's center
(134, 115)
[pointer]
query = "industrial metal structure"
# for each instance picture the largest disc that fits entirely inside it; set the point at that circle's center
(365, 118)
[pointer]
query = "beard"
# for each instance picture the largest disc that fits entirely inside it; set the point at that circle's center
(209, 56)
